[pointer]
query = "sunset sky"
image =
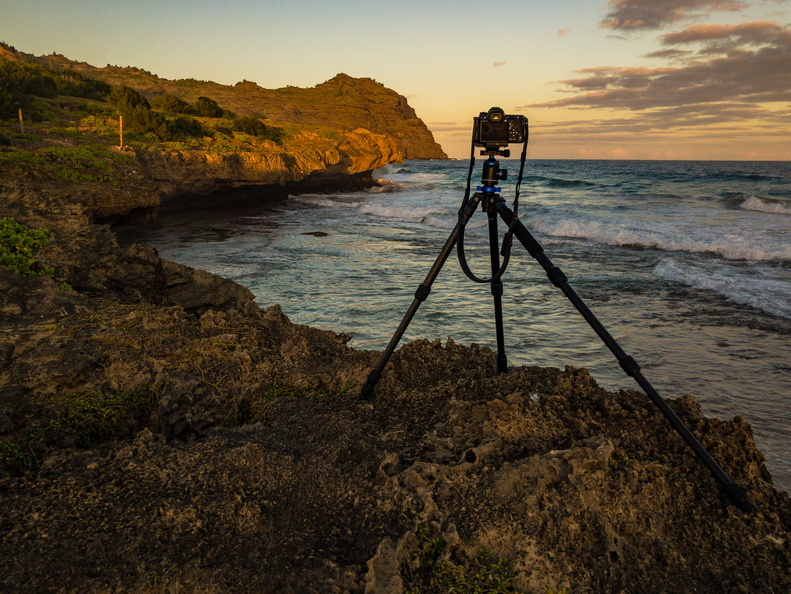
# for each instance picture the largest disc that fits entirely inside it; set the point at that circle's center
(627, 79)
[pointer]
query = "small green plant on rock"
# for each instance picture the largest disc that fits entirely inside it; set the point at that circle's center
(83, 419)
(23, 456)
(436, 573)
(18, 243)
(92, 417)
(253, 408)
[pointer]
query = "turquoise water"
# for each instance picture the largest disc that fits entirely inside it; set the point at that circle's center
(687, 264)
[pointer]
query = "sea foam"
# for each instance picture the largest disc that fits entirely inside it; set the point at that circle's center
(671, 239)
(767, 294)
(754, 203)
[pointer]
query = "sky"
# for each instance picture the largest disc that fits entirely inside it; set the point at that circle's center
(597, 79)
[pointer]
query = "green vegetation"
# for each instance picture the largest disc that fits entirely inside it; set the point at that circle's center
(83, 419)
(18, 243)
(208, 108)
(436, 573)
(71, 118)
(22, 454)
(19, 81)
(249, 125)
(92, 417)
(171, 104)
(333, 135)
(81, 163)
(137, 111)
(253, 409)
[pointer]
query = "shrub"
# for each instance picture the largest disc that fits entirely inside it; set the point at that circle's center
(249, 125)
(17, 242)
(98, 125)
(185, 125)
(69, 82)
(171, 104)
(19, 81)
(30, 79)
(208, 108)
(136, 110)
(127, 100)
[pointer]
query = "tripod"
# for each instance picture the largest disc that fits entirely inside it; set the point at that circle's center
(489, 199)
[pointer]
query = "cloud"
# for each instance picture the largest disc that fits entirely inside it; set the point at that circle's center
(498, 64)
(563, 32)
(746, 63)
(669, 54)
(726, 81)
(722, 38)
(453, 128)
(636, 15)
(727, 120)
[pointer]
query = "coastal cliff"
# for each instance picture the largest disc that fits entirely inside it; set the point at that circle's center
(309, 162)
(186, 140)
(343, 103)
(145, 179)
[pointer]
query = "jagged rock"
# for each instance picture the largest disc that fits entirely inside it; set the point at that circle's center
(198, 291)
(316, 160)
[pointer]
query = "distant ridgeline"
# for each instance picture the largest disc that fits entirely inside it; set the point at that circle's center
(168, 108)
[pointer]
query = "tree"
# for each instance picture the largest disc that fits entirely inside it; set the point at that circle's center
(186, 125)
(249, 125)
(127, 100)
(171, 104)
(208, 108)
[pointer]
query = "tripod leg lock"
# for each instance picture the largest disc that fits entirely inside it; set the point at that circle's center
(739, 498)
(422, 292)
(629, 365)
(556, 275)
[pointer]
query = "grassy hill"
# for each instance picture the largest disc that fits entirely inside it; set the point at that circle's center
(342, 103)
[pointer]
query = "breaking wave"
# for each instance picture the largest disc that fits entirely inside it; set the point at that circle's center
(729, 247)
(754, 203)
(769, 295)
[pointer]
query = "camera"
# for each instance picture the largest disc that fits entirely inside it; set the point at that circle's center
(495, 129)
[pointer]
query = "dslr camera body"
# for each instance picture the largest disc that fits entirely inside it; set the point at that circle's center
(494, 129)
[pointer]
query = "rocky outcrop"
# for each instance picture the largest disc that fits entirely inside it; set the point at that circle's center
(328, 137)
(199, 172)
(159, 431)
(157, 179)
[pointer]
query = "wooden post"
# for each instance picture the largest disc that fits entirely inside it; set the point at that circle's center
(21, 124)
(121, 130)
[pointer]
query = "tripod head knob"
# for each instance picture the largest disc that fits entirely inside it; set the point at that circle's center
(492, 151)
(491, 175)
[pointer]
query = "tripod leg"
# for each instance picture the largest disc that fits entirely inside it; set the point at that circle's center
(497, 293)
(734, 491)
(420, 296)
(465, 213)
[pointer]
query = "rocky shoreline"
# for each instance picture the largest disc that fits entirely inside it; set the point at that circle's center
(161, 432)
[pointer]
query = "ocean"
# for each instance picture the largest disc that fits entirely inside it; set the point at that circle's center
(686, 263)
